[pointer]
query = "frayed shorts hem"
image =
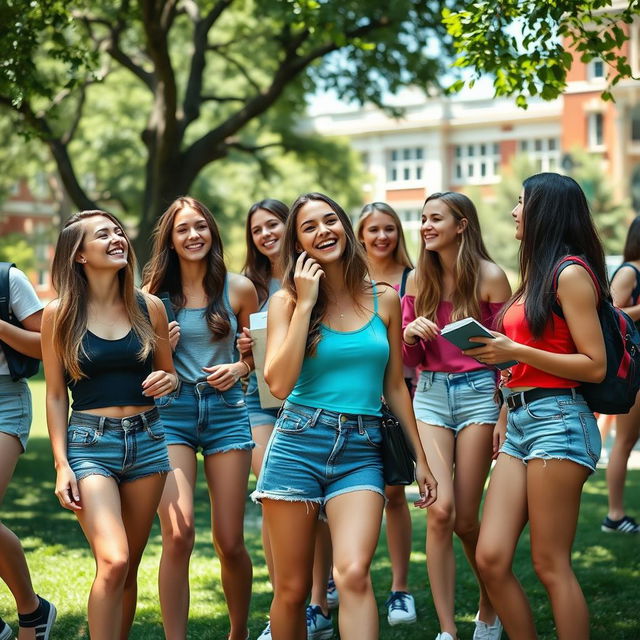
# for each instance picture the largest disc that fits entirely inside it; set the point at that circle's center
(491, 422)
(108, 474)
(243, 446)
(293, 495)
(548, 456)
(19, 437)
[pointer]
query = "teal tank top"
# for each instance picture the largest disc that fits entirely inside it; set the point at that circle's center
(346, 373)
(196, 347)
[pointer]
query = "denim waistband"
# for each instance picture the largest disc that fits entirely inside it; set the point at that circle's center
(101, 423)
(202, 387)
(331, 418)
(461, 376)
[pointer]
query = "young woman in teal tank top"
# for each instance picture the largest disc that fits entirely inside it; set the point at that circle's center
(207, 413)
(333, 349)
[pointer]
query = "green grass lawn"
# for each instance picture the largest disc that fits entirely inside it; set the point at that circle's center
(608, 566)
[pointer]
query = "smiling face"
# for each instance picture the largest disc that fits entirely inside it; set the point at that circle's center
(104, 245)
(379, 235)
(320, 232)
(266, 233)
(191, 235)
(517, 215)
(439, 227)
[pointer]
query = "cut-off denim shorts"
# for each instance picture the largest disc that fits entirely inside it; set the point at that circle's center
(257, 415)
(315, 455)
(456, 400)
(15, 409)
(125, 449)
(560, 427)
(205, 419)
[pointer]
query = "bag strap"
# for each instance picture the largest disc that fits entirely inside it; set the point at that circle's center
(403, 283)
(5, 291)
(560, 267)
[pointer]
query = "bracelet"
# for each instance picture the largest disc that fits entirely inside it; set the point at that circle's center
(246, 364)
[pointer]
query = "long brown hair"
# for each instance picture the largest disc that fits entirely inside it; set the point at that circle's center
(70, 282)
(257, 266)
(466, 295)
(400, 253)
(354, 263)
(162, 272)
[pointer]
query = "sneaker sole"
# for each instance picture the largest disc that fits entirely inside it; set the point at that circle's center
(393, 623)
(53, 613)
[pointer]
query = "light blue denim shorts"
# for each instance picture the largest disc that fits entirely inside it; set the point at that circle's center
(125, 449)
(315, 455)
(203, 418)
(15, 409)
(257, 415)
(553, 427)
(456, 400)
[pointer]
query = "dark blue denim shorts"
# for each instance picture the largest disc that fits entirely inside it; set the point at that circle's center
(124, 449)
(315, 455)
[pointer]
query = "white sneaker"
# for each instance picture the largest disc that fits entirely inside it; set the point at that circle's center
(5, 631)
(401, 608)
(486, 631)
(445, 635)
(266, 633)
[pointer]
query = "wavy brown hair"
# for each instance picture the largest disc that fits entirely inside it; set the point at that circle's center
(162, 272)
(70, 282)
(471, 251)
(400, 253)
(257, 266)
(354, 263)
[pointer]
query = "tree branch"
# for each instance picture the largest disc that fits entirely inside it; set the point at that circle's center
(67, 137)
(252, 149)
(205, 97)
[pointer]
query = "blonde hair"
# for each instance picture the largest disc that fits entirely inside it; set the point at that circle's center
(471, 251)
(400, 253)
(70, 282)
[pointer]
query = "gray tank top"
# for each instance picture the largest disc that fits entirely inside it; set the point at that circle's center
(196, 349)
(274, 285)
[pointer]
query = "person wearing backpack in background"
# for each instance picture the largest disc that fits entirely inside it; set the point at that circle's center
(15, 421)
(625, 289)
(552, 442)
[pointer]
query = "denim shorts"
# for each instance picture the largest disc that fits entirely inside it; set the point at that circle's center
(15, 409)
(456, 400)
(315, 455)
(553, 427)
(257, 415)
(205, 419)
(125, 449)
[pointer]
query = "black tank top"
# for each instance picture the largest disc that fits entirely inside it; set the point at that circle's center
(114, 372)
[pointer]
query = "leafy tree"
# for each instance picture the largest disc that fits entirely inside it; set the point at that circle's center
(527, 46)
(14, 247)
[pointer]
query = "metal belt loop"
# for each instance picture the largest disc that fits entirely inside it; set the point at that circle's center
(522, 400)
(360, 425)
(574, 393)
(101, 425)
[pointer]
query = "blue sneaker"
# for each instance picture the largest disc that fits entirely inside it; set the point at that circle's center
(333, 599)
(319, 626)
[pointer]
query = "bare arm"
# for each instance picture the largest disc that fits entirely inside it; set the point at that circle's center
(26, 340)
(494, 285)
(622, 287)
(578, 299)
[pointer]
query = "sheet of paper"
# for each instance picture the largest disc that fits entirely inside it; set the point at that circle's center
(258, 327)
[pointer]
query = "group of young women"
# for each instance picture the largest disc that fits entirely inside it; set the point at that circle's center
(153, 383)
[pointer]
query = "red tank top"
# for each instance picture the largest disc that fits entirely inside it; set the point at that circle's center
(555, 338)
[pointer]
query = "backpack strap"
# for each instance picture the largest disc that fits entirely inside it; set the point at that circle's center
(142, 303)
(403, 283)
(560, 267)
(5, 293)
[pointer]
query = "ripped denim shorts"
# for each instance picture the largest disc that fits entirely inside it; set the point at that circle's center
(560, 427)
(315, 455)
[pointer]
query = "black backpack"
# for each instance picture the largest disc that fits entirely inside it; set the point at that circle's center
(617, 392)
(20, 366)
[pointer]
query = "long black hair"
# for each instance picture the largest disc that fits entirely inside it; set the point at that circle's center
(632, 244)
(557, 223)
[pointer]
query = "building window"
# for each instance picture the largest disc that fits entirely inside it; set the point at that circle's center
(405, 165)
(476, 163)
(543, 152)
(635, 124)
(596, 130)
(596, 69)
(409, 215)
(43, 278)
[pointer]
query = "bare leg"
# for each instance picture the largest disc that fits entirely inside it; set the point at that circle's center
(439, 445)
(178, 535)
(139, 499)
(261, 435)
(398, 536)
(13, 564)
(503, 519)
(321, 567)
(473, 459)
(552, 524)
(101, 521)
(292, 531)
(354, 520)
(227, 477)
(627, 431)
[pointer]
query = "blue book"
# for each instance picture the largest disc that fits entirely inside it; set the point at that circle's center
(458, 333)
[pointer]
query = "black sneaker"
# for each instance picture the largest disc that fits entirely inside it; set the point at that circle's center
(626, 524)
(5, 631)
(41, 620)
